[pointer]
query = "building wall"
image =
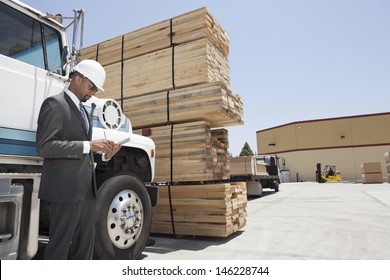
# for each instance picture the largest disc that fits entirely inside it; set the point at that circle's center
(345, 142)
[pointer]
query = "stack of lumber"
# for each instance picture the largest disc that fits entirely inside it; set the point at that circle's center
(175, 72)
(187, 50)
(371, 172)
(243, 166)
(201, 210)
(187, 56)
(174, 78)
(194, 63)
(211, 102)
(199, 153)
(247, 165)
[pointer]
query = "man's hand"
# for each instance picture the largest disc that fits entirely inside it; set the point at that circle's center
(103, 146)
(109, 155)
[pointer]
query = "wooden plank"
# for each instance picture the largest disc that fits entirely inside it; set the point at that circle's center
(208, 191)
(189, 209)
(193, 229)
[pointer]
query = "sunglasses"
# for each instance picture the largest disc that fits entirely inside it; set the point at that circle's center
(92, 86)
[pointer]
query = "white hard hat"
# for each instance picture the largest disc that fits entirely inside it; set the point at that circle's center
(93, 70)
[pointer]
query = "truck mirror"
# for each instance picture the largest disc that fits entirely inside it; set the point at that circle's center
(64, 57)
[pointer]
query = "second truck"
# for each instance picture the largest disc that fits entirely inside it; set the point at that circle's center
(257, 171)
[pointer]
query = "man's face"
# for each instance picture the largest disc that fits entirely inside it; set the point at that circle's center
(90, 91)
(86, 89)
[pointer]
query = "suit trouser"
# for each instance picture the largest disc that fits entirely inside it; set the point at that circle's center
(72, 230)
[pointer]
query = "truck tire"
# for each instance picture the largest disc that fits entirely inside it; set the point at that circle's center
(123, 218)
(276, 186)
(260, 193)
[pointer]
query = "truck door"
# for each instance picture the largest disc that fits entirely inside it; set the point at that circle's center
(30, 49)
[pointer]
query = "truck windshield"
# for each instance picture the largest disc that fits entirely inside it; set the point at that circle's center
(28, 40)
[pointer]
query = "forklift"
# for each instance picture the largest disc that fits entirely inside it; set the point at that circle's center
(328, 174)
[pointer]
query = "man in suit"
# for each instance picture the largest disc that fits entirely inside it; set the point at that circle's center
(68, 184)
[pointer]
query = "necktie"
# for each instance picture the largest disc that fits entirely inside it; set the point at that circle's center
(84, 115)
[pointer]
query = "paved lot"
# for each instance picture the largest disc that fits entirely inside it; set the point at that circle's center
(341, 221)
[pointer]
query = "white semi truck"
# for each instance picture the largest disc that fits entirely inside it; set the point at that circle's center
(35, 62)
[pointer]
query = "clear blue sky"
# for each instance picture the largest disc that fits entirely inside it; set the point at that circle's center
(290, 60)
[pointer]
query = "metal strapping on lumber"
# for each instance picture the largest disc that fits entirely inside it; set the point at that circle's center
(171, 123)
(122, 65)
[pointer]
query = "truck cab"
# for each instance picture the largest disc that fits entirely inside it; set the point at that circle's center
(35, 63)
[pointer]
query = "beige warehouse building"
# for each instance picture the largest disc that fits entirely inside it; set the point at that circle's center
(346, 142)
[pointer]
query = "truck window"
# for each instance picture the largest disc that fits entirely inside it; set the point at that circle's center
(28, 40)
(53, 49)
(260, 159)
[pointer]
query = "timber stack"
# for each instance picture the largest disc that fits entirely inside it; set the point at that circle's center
(174, 77)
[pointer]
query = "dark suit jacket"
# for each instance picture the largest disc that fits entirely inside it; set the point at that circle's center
(68, 174)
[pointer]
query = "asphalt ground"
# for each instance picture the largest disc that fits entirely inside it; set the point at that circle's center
(303, 221)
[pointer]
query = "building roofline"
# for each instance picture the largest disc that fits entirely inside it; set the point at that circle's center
(325, 119)
(329, 148)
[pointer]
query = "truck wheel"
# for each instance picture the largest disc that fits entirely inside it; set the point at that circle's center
(260, 193)
(123, 218)
(276, 186)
